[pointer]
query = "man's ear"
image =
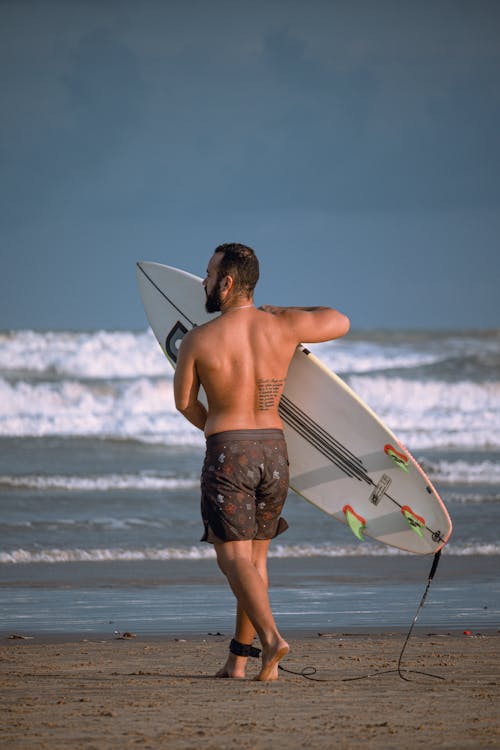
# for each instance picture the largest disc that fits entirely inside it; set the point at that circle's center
(227, 283)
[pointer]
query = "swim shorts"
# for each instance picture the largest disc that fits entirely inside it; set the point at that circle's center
(244, 484)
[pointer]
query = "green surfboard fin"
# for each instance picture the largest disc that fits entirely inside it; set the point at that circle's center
(416, 523)
(399, 459)
(357, 523)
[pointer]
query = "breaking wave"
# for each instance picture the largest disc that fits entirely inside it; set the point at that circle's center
(22, 556)
(432, 391)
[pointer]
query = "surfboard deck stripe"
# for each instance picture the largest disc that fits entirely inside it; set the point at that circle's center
(311, 431)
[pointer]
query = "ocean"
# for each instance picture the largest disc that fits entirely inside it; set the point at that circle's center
(99, 492)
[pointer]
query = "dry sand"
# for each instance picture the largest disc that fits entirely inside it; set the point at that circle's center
(158, 693)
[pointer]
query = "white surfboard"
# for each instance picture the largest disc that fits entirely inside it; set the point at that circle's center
(343, 459)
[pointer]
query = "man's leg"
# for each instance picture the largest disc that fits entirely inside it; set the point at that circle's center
(236, 560)
(244, 630)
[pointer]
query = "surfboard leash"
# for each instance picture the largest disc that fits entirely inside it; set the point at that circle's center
(309, 672)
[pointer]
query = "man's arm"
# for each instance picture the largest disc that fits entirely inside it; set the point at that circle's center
(187, 385)
(312, 324)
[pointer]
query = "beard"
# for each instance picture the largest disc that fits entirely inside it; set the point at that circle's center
(213, 300)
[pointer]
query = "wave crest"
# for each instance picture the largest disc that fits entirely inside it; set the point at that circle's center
(53, 556)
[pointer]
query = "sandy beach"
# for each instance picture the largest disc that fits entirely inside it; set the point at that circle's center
(150, 692)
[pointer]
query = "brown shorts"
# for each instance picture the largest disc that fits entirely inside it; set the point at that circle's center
(244, 484)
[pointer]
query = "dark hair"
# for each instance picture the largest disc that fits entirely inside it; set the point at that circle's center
(240, 262)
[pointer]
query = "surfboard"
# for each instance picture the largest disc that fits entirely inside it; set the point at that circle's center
(343, 458)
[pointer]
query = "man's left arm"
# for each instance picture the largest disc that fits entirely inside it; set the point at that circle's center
(187, 385)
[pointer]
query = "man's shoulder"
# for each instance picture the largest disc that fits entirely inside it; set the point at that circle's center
(199, 333)
(204, 328)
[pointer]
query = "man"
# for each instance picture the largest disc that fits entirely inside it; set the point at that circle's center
(241, 359)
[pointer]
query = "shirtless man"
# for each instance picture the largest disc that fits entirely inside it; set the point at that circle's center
(241, 359)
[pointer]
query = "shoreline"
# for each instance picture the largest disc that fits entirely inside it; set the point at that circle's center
(308, 595)
(157, 692)
(70, 637)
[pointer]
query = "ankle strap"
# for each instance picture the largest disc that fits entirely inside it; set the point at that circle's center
(243, 649)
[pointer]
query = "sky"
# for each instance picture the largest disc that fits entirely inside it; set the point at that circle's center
(354, 145)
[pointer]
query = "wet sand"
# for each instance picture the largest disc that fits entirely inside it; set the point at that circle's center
(150, 692)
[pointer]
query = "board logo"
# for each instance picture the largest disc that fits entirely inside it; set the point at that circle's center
(173, 340)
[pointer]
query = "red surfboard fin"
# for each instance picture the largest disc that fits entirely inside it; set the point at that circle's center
(357, 523)
(400, 459)
(416, 523)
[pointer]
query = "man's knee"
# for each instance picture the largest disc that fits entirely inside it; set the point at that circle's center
(222, 565)
(232, 555)
(225, 558)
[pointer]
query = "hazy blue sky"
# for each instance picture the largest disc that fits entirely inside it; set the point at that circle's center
(354, 145)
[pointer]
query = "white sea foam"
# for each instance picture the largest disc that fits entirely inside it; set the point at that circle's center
(128, 354)
(140, 409)
(118, 384)
(99, 483)
(435, 413)
(470, 498)
(99, 354)
(124, 354)
(423, 415)
(101, 523)
(363, 356)
(444, 471)
(372, 550)
(56, 555)
(463, 472)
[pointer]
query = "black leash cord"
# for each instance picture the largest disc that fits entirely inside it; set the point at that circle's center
(309, 672)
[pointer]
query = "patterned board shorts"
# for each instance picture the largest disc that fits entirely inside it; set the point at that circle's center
(244, 484)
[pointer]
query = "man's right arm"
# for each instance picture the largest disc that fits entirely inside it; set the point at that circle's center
(187, 385)
(312, 325)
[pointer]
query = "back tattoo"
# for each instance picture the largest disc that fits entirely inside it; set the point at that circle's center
(268, 391)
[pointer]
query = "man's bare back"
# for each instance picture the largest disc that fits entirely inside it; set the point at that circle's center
(241, 360)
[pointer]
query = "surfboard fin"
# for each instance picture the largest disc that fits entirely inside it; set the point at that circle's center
(357, 523)
(416, 523)
(400, 459)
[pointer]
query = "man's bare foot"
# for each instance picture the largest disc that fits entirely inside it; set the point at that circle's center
(270, 660)
(233, 668)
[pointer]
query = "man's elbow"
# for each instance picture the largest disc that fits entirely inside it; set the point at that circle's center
(184, 409)
(188, 409)
(345, 324)
(341, 324)
(181, 404)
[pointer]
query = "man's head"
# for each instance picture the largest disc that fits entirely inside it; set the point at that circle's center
(234, 270)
